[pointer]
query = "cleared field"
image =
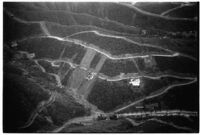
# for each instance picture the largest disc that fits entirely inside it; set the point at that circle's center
(95, 60)
(87, 58)
(77, 78)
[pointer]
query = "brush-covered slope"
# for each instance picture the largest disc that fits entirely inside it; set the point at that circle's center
(123, 13)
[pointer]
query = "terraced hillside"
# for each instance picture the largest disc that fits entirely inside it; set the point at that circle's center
(100, 67)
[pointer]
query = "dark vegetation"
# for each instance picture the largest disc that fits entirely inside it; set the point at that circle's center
(64, 67)
(42, 47)
(147, 65)
(41, 124)
(117, 12)
(191, 122)
(48, 67)
(105, 126)
(124, 126)
(184, 45)
(62, 71)
(34, 72)
(134, 17)
(45, 48)
(64, 108)
(170, 65)
(74, 52)
(80, 52)
(25, 85)
(66, 77)
(156, 7)
(177, 65)
(153, 126)
(112, 93)
(123, 93)
(189, 11)
(111, 11)
(185, 101)
(68, 18)
(21, 97)
(14, 30)
(115, 46)
(150, 86)
(24, 92)
(67, 30)
(116, 67)
(177, 98)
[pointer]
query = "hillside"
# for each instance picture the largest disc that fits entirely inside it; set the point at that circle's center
(95, 67)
